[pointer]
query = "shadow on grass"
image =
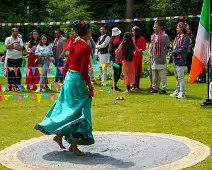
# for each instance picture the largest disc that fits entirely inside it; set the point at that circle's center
(189, 97)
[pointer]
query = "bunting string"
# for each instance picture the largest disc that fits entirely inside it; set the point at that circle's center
(37, 97)
(102, 21)
(49, 70)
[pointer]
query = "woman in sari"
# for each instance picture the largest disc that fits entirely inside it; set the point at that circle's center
(70, 116)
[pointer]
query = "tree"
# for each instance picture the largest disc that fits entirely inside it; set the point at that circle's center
(67, 10)
(16, 12)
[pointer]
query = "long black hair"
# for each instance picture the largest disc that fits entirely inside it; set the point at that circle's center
(32, 40)
(128, 47)
(138, 35)
(81, 27)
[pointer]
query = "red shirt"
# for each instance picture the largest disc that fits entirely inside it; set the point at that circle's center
(79, 59)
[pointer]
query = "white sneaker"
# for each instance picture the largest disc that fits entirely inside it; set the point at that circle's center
(37, 91)
(175, 94)
(43, 90)
(181, 95)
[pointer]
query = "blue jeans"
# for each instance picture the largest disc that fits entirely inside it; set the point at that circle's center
(59, 75)
(43, 64)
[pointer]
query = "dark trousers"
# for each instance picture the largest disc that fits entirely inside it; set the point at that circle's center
(128, 87)
(117, 73)
(12, 78)
(137, 77)
(189, 61)
(202, 77)
(59, 75)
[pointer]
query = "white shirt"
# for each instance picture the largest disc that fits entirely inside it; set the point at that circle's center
(12, 53)
(104, 44)
(103, 58)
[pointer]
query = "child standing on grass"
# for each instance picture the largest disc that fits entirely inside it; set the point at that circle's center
(126, 51)
(4, 60)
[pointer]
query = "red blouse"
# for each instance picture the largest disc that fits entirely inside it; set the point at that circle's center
(79, 59)
(141, 44)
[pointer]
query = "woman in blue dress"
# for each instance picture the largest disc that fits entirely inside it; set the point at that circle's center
(70, 116)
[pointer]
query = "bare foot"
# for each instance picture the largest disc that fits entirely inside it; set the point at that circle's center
(77, 151)
(59, 142)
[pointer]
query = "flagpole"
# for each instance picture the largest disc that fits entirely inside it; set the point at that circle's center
(208, 101)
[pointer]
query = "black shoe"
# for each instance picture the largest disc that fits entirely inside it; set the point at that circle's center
(116, 88)
(163, 92)
(154, 91)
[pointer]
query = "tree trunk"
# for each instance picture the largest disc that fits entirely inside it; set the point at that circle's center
(129, 13)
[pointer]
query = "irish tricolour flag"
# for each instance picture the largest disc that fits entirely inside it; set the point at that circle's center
(202, 46)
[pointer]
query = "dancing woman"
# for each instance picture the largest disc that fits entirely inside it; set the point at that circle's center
(70, 116)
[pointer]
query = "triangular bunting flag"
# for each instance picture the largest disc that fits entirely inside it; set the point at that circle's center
(52, 96)
(94, 93)
(3, 88)
(61, 69)
(5, 97)
(45, 96)
(56, 86)
(20, 87)
(22, 70)
(115, 65)
(108, 91)
(55, 70)
(25, 86)
(11, 69)
(33, 70)
(26, 96)
(38, 86)
(14, 97)
(40, 70)
(39, 97)
(16, 72)
(20, 98)
(31, 86)
(109, 65)
(103, 66)
(97, 66)
(27, 71)
(48, 70)
(33, 97)
(49, 86)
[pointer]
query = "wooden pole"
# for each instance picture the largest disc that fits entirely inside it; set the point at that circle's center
(129, 14)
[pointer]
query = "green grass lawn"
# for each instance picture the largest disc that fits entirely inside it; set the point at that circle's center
(139, 112)
(2, 48)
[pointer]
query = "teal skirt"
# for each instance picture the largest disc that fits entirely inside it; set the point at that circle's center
(71, 113)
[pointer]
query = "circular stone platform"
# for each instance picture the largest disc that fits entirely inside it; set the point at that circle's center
(112, 150)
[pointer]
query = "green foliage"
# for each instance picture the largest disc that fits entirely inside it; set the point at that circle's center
(67, 11)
